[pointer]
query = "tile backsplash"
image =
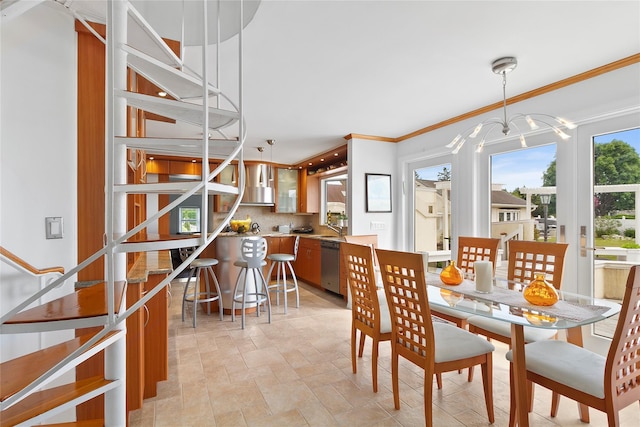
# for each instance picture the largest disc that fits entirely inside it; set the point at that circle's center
(268, 219)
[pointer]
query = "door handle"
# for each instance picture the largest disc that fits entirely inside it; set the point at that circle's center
(583, 242)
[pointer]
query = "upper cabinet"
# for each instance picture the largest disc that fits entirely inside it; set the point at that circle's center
(287, 189)
(309, 193)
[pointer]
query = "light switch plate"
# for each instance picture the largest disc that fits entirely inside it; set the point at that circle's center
(54, 227)
(377, 225)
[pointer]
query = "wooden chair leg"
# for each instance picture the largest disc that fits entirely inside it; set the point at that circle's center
(439, 381)
(374, 365)
(487, 383)
(512, 398)
(530, 390)
(361, 348)
(470, 375)
(394, 380)
(555, 402)
(353, 349)
(428, 397)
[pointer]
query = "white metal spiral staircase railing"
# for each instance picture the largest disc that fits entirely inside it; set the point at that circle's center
(132, 42)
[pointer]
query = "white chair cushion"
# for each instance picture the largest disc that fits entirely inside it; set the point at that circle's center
(531, 334)
(567, 364)
(281, 257)
(454, 343)
(244, 264)
(385, 316)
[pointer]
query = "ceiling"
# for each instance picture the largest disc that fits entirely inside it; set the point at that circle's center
(315, 71)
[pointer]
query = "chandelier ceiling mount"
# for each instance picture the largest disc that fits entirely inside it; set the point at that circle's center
(503, 66)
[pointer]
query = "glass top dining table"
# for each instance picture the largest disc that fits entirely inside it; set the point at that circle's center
(506, 303)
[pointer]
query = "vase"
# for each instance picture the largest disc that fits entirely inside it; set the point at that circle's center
(451, 274)
(540, 292)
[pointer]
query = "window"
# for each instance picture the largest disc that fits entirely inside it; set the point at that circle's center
(189, 220)
(335, 197)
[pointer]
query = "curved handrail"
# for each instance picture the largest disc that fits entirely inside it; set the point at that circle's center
(25, 266)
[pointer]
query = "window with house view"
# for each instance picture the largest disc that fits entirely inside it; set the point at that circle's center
(335, 198)
(432, 216)
(189, 220)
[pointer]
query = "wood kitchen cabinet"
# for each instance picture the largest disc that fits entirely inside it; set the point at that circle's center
(309, 200)
(307, 266)
(287, 190)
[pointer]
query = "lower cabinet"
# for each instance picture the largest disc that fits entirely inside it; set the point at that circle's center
(307, 265)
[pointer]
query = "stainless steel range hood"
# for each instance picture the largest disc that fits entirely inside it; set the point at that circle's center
(258, 190)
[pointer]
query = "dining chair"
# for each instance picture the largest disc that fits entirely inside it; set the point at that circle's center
(470, 250)
(436, 347)
(607, 384)
(525, 259)
(370, 240)
(369, 309)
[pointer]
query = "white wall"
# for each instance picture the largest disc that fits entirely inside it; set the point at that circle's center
(37, 155)
(367, 156)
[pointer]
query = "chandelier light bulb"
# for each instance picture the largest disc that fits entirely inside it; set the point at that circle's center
(523, 142)
(476, 131)
(533, 125)
(454, 142)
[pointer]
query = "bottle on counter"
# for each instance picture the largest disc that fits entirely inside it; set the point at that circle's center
(329, 218)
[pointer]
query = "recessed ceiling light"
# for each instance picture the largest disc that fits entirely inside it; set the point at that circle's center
(162, 93)
(335, 154)
(151, 158)
(193, 161)
(322, 160)
(310, 164)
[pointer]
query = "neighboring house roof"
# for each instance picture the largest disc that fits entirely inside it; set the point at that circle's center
(426, 183)
(504, 199)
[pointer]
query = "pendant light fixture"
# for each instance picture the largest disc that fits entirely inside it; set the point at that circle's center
(260, 177)
(533, 120)
(271, 142)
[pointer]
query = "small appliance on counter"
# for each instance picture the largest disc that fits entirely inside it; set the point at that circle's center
(305, 229)
(286, 229)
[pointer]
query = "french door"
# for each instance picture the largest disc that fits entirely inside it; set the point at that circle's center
(577, 174)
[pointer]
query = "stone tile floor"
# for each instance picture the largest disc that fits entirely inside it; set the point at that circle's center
(296, 371)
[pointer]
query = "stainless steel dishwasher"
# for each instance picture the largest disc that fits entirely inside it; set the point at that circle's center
(330, 262)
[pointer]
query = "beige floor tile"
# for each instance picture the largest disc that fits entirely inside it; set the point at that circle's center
(296, 371)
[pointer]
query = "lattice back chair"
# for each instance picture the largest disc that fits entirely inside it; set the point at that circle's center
(370, 240)
(470, 250)
(526, 258)
(436, 347)
(606, 384)
(369, 309)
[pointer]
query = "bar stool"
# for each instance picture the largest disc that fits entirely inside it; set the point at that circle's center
(197, 296)
(282, 261)
(253, 251)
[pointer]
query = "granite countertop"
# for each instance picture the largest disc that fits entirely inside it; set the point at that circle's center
(277, 234)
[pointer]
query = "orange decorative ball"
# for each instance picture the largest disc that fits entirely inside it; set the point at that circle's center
(451, 274)
(540, 292)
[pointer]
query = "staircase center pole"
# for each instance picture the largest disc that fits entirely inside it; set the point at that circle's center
(115, 355)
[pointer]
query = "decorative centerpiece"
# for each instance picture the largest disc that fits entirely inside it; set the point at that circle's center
(540, 292)
(451, 275)
(240, 225)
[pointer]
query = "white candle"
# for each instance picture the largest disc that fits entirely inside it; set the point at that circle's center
(484, 276)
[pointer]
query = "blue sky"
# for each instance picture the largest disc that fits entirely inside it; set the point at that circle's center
(524, 168)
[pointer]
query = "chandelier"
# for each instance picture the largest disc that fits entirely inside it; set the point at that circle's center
(533, 120)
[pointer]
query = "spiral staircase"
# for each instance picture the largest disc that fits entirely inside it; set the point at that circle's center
(131, 43)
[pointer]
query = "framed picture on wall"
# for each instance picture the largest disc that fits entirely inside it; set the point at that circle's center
(378, 192)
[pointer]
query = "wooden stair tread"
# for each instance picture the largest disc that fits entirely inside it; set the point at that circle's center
(40, 402)
(17, 373)
(83, 303)
(84, 423)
